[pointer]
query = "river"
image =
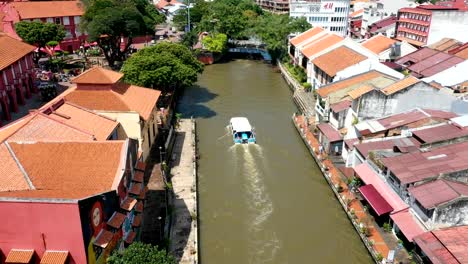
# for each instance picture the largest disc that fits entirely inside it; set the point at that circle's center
(264, 203)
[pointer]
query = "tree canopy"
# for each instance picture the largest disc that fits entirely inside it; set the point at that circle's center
(106, 21)
(138, 253)
(38, 33)
(216, 43)
(243, 19)
(163, 66)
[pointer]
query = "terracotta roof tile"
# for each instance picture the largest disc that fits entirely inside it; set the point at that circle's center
(128, 203)
(71, 169)
(141, 166)
(323, 43)
(11, 176)
(139, 207)
(336, 86)
(462, 54)
(337, 60)
(11, 128)
(19, 256)
(116, 220)
(103, 238)
(135, 189)
(130, 237)
(98, 125)
(357, 13)
(138, 177)
(306, 35)
(42, 9)
(98, 75)
(12, 50)
(136, 221)
(356, 93)
(445, 44)
(54, 257)
(400, 85)
(378, 44)
(43, 128)
(122, 97)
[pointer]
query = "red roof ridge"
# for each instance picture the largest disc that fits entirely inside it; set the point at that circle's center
(98, 75)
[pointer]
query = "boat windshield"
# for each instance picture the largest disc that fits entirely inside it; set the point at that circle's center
(244, 135)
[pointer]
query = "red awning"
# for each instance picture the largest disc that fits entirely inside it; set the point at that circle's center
(408, 224)
(376, 200)
(330, 132)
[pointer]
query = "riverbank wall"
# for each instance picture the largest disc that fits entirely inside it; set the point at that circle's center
(184, 232)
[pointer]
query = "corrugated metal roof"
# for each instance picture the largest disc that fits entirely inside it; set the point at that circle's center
(447, 245)
(377, 202)
(408, 224)
(331, 133)
(439, 133)
(446, 191)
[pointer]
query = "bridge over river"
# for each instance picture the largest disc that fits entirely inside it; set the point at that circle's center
(251, 47)
(264, 203)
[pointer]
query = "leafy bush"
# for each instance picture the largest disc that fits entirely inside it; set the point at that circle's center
(138, 253)
(307, 85)
(387, 227)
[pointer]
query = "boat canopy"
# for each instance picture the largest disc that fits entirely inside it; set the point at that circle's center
(240, 124)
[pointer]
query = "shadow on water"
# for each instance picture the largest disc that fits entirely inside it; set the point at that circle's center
(193, 100)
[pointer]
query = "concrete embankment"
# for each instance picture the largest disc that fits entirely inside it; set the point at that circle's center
(184, 199)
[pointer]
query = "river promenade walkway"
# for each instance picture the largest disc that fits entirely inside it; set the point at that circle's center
(373, 239)
(184, 232)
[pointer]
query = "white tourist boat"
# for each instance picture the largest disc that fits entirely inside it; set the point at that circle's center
(242, 131)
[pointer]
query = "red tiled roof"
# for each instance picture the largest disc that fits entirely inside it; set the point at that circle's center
(122, 97)
(12, 178)
(103, 238)
(98, 75)
(377, 202)
(98, 125)
(305, 35)
(54, 257)
(408, 224)
(418, 166)
(336, 86)
(446, 191)
(12, 50)
(139, 207)
(136, 221)
(43, 9)
(66, 170)
(357, 13)
(440, 133)
(340, 106)
(128, 203)
(321, 44)
(447, 245)
(400, 85)
(19, 256)
(331, 133)
(135, 188)
(41, 127)
(358, 92)
(116, 220)
(414, 11)
(138, 176)
(141, 166)
(386, 144)
(337, 60)
(378, 43)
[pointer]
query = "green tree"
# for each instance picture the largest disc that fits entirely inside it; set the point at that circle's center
(107, 21)
(216, 43)
(163, 66)
(38, 33)
(138, 253)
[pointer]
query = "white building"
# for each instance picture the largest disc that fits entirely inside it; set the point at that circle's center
(331, 15)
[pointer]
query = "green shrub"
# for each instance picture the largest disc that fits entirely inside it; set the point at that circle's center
(387, 227)
(307, 85)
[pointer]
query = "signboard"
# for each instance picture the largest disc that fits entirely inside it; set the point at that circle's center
(327, 7)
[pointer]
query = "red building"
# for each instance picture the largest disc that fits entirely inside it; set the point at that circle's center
(16, 70)
(68, 201)
(66, 13)
(413, 25)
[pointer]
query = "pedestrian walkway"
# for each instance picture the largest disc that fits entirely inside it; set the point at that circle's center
(373, 240)
(184, 234)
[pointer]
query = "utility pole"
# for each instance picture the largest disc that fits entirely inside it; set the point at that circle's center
(188, 15)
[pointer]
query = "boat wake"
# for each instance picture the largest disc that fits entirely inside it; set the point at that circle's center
(263, 243)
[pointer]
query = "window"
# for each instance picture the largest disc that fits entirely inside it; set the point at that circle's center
(50, 20)
(66, 21)
(77, 20)
(57, 20)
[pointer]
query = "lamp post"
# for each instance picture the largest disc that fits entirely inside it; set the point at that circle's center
(160, 228)
(188, 15)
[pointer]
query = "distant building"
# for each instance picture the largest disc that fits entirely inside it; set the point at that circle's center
(66, 13)
(386, 48)
(274, 6)
(427, 24)
(17, 75)
(331, 15)
(385, 27)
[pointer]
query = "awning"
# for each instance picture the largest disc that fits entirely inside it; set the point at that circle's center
(376, 200)
(369, 176)
(330, 132)
(19, 256)
(116, 220)
(408, 224)
(54, 257)
(103, 238)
